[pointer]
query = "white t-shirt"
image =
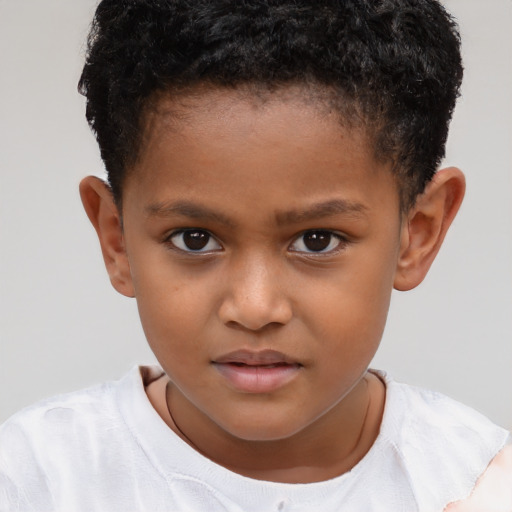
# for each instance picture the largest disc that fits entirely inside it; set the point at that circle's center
(107, 449)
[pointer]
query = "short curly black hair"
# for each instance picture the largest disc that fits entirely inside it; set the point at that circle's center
(396, 63)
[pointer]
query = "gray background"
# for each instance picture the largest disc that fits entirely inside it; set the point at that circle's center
(63, 327)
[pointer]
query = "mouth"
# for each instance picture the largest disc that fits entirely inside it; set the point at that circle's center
(257, 372)
(255, 358)
(256, 365)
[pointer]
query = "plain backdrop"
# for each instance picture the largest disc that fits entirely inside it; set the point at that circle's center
(63, 327)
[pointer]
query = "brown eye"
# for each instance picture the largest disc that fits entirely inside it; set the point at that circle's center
(194, 240)
(317, 241)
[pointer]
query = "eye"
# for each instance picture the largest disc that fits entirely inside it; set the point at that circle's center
(194, 240)
(317, 241)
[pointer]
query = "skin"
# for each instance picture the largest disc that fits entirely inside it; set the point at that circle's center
(493, 491)
(257, 176)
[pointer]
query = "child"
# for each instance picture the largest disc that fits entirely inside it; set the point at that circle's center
(271, 179)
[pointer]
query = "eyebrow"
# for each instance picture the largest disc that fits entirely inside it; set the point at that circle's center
(187, 209)
(322, 210)
(316, 211)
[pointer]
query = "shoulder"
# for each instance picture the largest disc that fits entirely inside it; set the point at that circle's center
(67, 414)
(51, 427)
(47, 442)
(444, 445)
(57, 416)
(411, 411)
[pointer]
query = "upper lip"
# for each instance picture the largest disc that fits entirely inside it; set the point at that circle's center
(255, 358)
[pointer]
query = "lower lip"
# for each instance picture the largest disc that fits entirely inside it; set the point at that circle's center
(257, 379)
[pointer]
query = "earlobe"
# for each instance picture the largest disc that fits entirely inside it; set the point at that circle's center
(427, 223)
(104, 216)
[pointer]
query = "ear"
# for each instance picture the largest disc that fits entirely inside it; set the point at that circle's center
(426, 225)
(102, 212)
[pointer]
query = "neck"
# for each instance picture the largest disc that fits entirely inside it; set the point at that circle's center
(332, 445)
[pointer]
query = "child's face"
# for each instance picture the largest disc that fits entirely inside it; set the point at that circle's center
(262, 240)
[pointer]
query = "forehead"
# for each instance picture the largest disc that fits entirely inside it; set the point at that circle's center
(194, 110)
(215, 140)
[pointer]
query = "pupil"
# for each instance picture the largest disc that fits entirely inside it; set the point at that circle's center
(195, 240)
(317, 240)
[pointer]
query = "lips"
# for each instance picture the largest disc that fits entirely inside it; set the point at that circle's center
(257, 372)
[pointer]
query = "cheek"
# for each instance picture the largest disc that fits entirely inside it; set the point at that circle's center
(174, 330)
(350, 312)
(171, 306)
(356, 302)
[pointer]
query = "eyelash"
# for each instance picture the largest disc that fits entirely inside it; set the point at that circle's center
(211, 240)
(333, 236)
(191, 231)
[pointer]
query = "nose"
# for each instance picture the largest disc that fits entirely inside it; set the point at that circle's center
(254, 295)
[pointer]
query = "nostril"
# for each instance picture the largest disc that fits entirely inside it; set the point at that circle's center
(244, 326)
(255, 314)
